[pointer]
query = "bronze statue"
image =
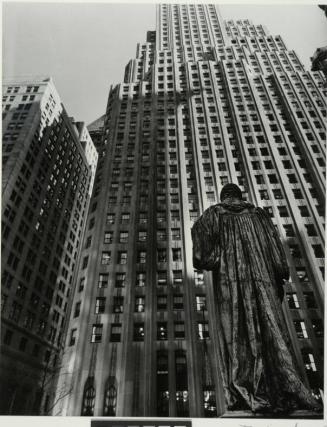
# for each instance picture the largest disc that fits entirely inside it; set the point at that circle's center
(240, 244)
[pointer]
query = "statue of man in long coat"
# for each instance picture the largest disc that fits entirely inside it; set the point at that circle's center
(239, 243)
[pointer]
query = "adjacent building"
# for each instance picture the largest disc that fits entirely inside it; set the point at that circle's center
(319, 60)
(48, 168)
(96, 131)
(205, 102)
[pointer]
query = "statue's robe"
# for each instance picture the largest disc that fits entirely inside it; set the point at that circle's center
(239, 243)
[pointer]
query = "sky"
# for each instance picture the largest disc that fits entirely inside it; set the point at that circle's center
(85, 47)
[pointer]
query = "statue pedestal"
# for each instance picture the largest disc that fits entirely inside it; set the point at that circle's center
(301, 415)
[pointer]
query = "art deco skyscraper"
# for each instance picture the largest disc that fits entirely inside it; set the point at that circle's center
(48, 168)
(204, 103)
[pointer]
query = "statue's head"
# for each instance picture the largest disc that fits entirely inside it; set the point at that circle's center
(230, 190)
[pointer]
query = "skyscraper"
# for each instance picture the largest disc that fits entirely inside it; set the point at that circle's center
(204, 103)
(48, 168)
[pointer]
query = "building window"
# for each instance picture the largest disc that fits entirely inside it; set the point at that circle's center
(123, 237)
(118, 304)
(8, 336)
(182, 406)
(176, 234)
(297, 193)
(108, 237)
(161, 235)
(110, 218)
(29, 320)
(193, 216)
(295, 251)
(256, 165)
(15, 311)
(175, 215)
(179, 330)
(198, 278)
(161, 215)
(318, 328)
(318, 251)
(88, 398)
(91, 223)
(292, 300)
(161, 330)
(115, 333)
(73, 334)
(311, 230)
(162, 255)
(77, 309)
(302, 274)
(162, 384)
(263, 194)
(140, 279)
(309, 299)
(162, 302)
(273, 179)
(141, 257)
(177, 254)
(289, 230)
(143, 219)
(178, 302)
(125, 218)
(308, 360)
(283, 212)
(203, 330)
(142, 236)
(138, 331)
(292, 178)
(105, 259)
(81, 284)
(162, 278)
(85, 262)
(120, 280)
(7, 279)
(96, 332)
(201, 302)
(209, 402)
(110, 399)
(139, 304)
(259, 179)
(103, 280)
(300, 329)
(100, 304)
(177, 277)
(122, 257)
(304, 211)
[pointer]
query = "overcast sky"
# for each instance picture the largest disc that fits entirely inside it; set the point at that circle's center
(84, 47)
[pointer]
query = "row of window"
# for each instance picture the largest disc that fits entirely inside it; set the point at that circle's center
(162, 304)
(162, 256)
(143, 199)
(15, 89)
(24, 344)
(142, 235)
(139, 332)
(141, 281)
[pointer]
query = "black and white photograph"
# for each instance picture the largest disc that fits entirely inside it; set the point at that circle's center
(163, 213)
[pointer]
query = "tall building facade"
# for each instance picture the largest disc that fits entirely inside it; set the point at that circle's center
(204, 103)
(47, 176)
